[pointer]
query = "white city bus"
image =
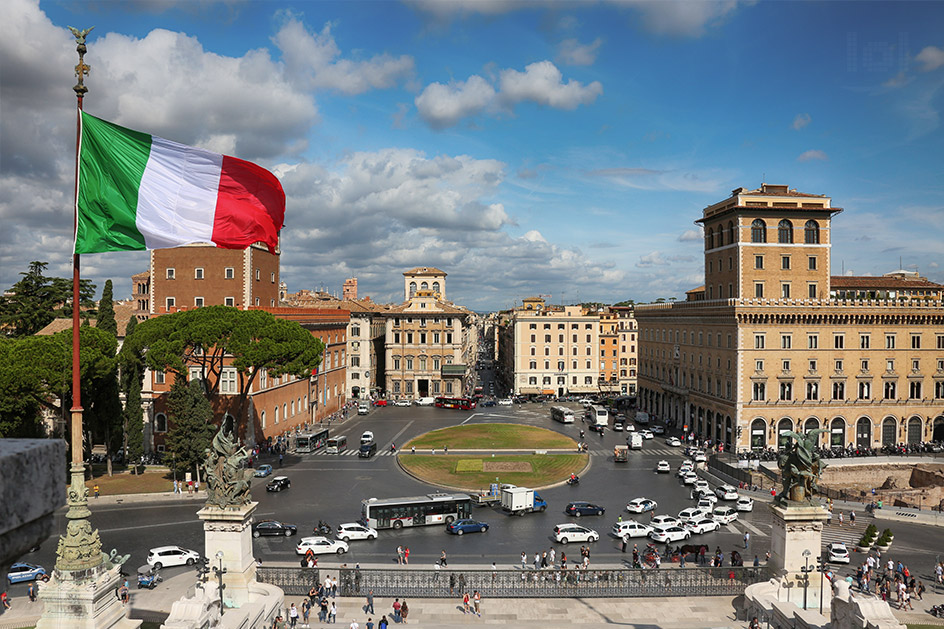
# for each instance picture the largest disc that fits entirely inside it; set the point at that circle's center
(395, 513)
(562, 415)
(599, 415)
(311, 441)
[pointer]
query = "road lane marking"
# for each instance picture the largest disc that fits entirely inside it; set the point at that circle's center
(397, 436)
(753, 528)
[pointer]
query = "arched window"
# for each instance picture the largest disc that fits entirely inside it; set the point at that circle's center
(889, 430)
(811, 233)
(811, 424)
(758, 434)
(412, 288)
(436, 286)
(785, 232)
(709, 236)
(785, 426)
(864, 432)
(758, 230)
(160, 422)
(837, 432)
(424, 286)
(732, 233)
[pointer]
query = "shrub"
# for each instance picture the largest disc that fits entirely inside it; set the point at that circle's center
(871, 531)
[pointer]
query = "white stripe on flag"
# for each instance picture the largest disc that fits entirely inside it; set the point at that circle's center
(177, 197)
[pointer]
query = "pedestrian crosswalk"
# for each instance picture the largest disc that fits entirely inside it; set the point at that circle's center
(645, 451)
(351, 453)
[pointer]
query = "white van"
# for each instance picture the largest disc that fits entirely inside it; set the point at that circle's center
(425, 401)
(642, 418)
(363, 408)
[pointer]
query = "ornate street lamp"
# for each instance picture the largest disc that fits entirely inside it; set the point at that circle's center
(806, 569)
(219, 572)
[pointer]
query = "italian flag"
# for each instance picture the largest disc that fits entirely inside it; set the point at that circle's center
(137, 191)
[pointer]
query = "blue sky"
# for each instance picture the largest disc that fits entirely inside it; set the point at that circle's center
(562, 148)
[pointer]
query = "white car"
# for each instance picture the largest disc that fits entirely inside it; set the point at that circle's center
(691, 514)
(658, 430)
(353, 530)
(647, 434)
(669, 534)
(663, 467)
(702, 485)
(320, 546)
(690, 478)
(401, 403)
(707, 503)
(726, 492)
(703, 525)
(744, 504)
(505, 401)
(724, 515)
(367, 437)
(641, 505)
(630, 528)
(564, 533)
(838, 553)
(673, 442)
(664, 520)
(699, 457)
(684, 468)
(164, 556)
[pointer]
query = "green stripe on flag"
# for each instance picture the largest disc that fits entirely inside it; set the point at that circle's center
(112, 160)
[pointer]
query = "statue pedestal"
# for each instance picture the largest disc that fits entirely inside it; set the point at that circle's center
(86, 599)
(798, 528)
(227, 533)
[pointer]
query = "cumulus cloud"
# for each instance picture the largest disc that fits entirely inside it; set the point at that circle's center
(691, 235)
(801, 121)
(444, 105)
(313, 59)
(812, 154)
(930, 58)
(572, 53)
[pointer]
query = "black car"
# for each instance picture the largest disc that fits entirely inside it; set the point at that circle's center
(278, 484)
(488, 403)
(273, 527)
(583, 508)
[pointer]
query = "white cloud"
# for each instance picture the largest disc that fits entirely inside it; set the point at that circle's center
(542, 83)
(572, 53)
(708, 181)
(899, 80)
(657, 258)
(691, 235)
(443, 106)
(801, 121)
(931, 58)
(313, 60)
(812, 154)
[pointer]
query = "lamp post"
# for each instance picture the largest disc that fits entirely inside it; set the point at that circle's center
(822, 574)
(806, 573)
(219, 572)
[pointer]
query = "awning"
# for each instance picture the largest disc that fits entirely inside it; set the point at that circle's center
(548, 391)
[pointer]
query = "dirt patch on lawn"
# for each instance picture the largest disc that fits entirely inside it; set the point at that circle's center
(507, 466)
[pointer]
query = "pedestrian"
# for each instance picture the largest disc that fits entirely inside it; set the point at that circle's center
(840, 518)
(95, 489)
(190, 487)
(176, 486)
(369, 608)
(852, 518)
(524, 560)
(476, 599)
(551, 556)
(452, 583)
(354, 625)
(196, 486)
(333, 613)
(624, 543)
(124, 592)
(399, 555)
(278, 623)
(465, 603)
(396, 610)
(563, 561)
(323, 609)
(406, 555)
(404, 611)
(383, 623)
(442, 559)
(543, 560)
(280, 459)
(5, 601)
(292, 616)
(369, 624)
(306, 611)
(537, 560)
(747, 539)
(756, 561)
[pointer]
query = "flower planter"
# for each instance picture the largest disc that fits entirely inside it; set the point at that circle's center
(884, 548)
(863, 549)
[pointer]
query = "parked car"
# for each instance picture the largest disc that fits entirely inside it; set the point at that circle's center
(744, 503)
(353, 530)
(663, 467)
(266, 528)
(320, 546)
(583, 508)
(664, 520)
(424, 401)
(641, 505)
(380, 402)
(402, 402)
(278, 483)
(669, 534)
(724, 515)
(703, 525)
(20, 572)
(838, 553)
(564, 533)
(466, 525)
(673, 442)
(726, 492)
(630, 528)
(262, 471)
(164, 556)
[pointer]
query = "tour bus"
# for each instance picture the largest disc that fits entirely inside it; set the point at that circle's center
(562, 415)
(311, 441)
(463, 403)
(395, 513)
(599, 415)
(336, 445)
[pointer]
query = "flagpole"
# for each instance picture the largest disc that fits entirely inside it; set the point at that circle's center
(80, 548)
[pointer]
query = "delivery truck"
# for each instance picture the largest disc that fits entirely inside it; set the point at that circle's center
(521, 500)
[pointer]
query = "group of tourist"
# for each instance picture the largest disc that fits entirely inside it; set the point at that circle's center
(548, 559)
(891, 580)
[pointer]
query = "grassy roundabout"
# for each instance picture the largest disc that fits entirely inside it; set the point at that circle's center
(474, 472)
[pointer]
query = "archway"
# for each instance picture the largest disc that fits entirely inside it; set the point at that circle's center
(837, 433)
(784, 426)
(937, 431)
(758, 434)
(728, 441)
(864, 432)
(914, 430)
(810, 425)
(889, 431)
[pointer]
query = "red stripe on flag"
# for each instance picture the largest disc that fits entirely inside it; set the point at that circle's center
(250, 206)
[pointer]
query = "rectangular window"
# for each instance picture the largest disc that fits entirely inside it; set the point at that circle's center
(812, 291)
(758, 290)
(940, 341)
(760, 391)
(758, 341)
(758, 262)
(890, 366)
(889, 341)
(229, 301)
(785, 291)
(786, 341)
(890, 390)
(915, 365)
(812, 366)
(865, 365)
(198, 302)
(812, 390)
(812, 341)
(839, 341)
(786, 366)
(786, 391)
(811, 263)
(198, 273)
(228, 380)
(864, 341)
(838, 366)
(170, 274)
(865, 390)
(785, 263)
(169, 303)
(839, 390)
(759, 365)
(158, 377)
(915, 341)
(229, 273)
(257, 275)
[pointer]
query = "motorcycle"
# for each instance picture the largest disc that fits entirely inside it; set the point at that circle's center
(323, 528)
(573, 480)
(937, 611)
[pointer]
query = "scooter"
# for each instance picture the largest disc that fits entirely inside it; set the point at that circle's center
(573, 480)
(323, 528)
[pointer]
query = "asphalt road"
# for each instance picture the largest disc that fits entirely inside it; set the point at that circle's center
(331, 487)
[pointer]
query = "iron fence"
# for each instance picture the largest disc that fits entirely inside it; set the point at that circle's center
(445, 583)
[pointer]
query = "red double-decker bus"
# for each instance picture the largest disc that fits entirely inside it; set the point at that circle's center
(462, 403)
